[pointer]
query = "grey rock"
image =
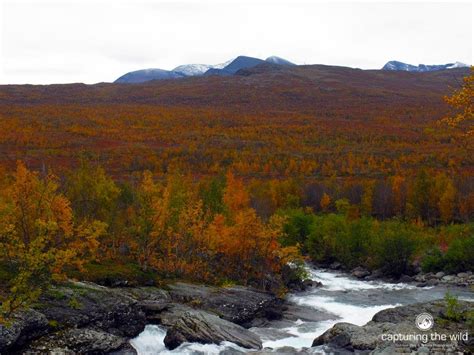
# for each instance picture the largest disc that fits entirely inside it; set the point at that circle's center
(80, 341)
(448, 278)
(360, 272)
(406, 278)
(24, 327)
(206, 328)
(75, 305)
(398, 320)
(335, 266)
(439, 275)
(432, 282)
(236, 304)
(420, 278)
(463, 274)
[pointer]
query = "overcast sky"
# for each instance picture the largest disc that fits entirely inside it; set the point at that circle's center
(93, 41)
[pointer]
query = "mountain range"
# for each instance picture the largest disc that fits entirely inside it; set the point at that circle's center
(400, 66)
(232, 66)
(224, 69)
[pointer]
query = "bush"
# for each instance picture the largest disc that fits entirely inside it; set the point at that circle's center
(395, 247)
(459, 257)
(298, 226)
(453, 311)
(433, 261)
(324, 242)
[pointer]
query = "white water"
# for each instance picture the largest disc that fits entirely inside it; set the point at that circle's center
(303, 333)
(340, 299)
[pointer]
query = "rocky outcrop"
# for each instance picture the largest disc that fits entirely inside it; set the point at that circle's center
(24, 327)
(375, 335)
(462, 279)
(236, 304)
(206, 328)
(75, 313)
(82, 341)
(98, 319)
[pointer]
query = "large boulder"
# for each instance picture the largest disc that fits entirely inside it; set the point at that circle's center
(206, 328)
(399, 320)
(360, 272)
(80, 341)
(24, 327)
(236, 304)
(80, 305)
(105, 313)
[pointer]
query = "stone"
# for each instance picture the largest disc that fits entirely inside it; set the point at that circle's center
(206, 328)
(25, 326)
(405, 278)
(448, 278)
(398, 320)
(236, 304)
(82, 340)
(360, 272)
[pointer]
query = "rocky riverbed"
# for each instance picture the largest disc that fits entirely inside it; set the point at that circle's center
(344, 313)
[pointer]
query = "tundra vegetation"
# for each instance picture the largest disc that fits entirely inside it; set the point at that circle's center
(145, 192)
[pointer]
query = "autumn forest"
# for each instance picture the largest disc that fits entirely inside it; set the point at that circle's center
(229, 180)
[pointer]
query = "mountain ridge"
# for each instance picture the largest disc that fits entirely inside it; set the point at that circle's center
(395, 65)
(245, 64)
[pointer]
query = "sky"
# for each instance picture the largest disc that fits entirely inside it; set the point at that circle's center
(92, 41)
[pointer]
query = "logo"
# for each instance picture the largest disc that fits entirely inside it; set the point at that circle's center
(424, 321)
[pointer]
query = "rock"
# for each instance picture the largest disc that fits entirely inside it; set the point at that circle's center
(360, 272)
(109, 312)
(448, 278)
(335, 266)
(463, 275)
(206, 328)
(349, 336)
(405, 278)
(398, 320)
(420, 278)
(432, 282)
(439, 275)
(88, 305)
(375, 275)
(311, 283)
(236, 304)
(82, 341)
(24, 327)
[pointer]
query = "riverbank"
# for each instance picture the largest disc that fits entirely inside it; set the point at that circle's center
(417, 277)
(84, 317)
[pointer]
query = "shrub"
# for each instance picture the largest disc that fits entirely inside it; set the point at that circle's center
(459, 256)
(324, 242)
(298, 226)
(453, 311)
(395, 247)
(433, 261)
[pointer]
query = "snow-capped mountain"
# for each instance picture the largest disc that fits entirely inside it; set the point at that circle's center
(198, 69)
(241, 62)
(277, 60)
(394, 65)
(186, 70)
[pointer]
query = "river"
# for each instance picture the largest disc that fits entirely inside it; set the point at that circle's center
(310, 313)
